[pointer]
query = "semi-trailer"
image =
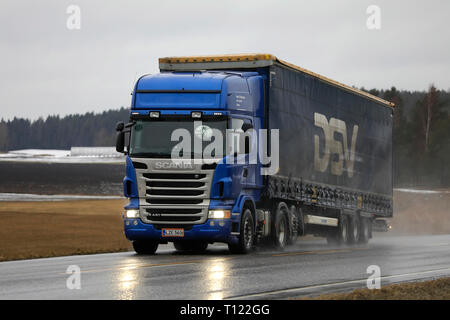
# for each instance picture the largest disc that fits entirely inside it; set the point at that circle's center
(248, 148)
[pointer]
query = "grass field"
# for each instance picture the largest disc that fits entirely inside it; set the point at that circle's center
(438, 289)
(416, 213)
(47, 229)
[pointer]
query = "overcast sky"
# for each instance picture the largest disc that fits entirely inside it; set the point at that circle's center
(45, 68)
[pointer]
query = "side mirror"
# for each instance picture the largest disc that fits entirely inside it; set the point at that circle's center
(122, 129)
(120, 137)
(120, 126)
(246, 126)
(120, 141)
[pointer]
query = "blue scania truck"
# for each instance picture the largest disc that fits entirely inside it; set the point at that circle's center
(327, 170)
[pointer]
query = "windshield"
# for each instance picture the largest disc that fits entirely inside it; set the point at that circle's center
(153, 139)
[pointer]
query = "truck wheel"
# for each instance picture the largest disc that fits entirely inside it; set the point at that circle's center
(246, 236)
(195, 246)
(280, 229)
(202, 246)
(340, 235)
(364, 233)
(353, 229)
(145, 246)
(342, 231)
(293, 225)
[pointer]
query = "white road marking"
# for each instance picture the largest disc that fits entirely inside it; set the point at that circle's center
(292, 290)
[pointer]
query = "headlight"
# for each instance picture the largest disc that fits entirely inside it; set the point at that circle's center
(219, 214)
(132, 214)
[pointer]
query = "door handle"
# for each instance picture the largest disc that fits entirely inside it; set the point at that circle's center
(245, 173)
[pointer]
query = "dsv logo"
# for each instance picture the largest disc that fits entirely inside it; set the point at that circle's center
(345, 156)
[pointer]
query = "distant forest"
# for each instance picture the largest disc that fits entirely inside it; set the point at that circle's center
(421, 134)
(87, 130)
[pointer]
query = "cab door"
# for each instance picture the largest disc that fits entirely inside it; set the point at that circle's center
(248, 173)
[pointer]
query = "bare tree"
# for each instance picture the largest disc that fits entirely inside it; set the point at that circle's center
(428, 109)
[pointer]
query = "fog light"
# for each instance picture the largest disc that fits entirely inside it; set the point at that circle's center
(154, 114)
(132, 214)
(219, 214)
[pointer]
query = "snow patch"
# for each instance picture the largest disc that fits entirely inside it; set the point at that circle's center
(50, 197)
(75, 155)
(421, 191)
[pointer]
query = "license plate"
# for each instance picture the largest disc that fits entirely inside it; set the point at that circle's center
(172, 232)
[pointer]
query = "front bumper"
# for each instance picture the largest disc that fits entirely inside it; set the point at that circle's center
(213, 230)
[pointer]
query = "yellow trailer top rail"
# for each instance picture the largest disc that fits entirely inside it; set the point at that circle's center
(244, 61)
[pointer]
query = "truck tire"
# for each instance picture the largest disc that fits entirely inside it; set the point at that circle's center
(339, 236)
(353, 229)
(145, 246)
(246, 235)
(280, 227)
(293, 225)
(364, 233)
(193, 246)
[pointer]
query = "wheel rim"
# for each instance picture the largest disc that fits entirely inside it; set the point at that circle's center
(355, 230)
(366, 230)
(282, 231)
(248, 233)
(344, 232)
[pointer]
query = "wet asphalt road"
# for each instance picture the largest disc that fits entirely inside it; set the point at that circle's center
(306, 268)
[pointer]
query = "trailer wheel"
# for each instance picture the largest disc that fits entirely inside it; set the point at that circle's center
(340, 236)
(353, 229)
(364, 234)
(193, 246)
(293, 225)
(246, 236)
(145, 246)
(280, 229)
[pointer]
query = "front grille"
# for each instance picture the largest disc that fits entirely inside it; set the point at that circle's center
(175, 184)
(174, 201)
(168, 192)
(181, 176)
(174, 197)
(174, 211)
(175, 219)
(167, 187)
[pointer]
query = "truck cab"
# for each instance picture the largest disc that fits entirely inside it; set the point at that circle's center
(199, 198)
